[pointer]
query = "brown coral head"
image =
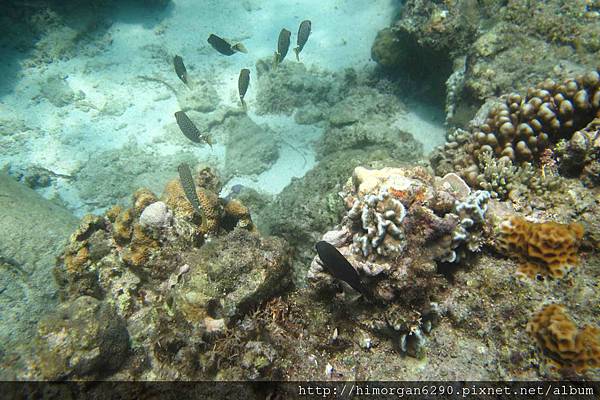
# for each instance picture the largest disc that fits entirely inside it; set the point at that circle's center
(546, 249)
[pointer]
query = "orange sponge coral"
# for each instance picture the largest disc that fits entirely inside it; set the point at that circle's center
(562, 342)
(547, 248)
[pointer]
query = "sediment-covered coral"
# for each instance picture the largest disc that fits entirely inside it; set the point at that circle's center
(546, 249)
(80, 339)
(230, 275)
(293, 85)
(562, 342)
(367, 117)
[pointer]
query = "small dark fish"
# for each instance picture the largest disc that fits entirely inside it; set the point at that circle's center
(180, 69)
(224, 46)
(189, 129)
(189, 188)
(339, 267)
(283, 45)
(243, 82)
(303, 34)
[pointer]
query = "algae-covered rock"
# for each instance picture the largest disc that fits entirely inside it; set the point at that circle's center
(231, 274)
(366, 117)
(291, 85)
(84, 338)
(251, 148)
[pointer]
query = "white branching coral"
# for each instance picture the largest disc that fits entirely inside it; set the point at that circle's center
(380, 217)
(467, 234)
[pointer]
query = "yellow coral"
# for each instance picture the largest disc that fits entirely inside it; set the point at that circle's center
(121, 228)
(74, 261)
(142, 198)
(175, 198)
(140, 248)
(562, 342)
(547, 249)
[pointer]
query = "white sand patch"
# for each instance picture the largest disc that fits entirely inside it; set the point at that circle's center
(118, 108)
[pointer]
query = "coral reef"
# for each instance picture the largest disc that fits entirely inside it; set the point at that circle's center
(561, 341)
(580, 156)
(171, 285)
(486, 47)
(546, 249)
(400, 222)
(525, 131)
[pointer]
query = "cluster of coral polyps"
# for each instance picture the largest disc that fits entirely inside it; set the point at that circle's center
(546, 249)
(562, 342)
(519, 128)
(402, 222)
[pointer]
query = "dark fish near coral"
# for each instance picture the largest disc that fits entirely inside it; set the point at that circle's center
(283, 45)
(180, 69)
(224, 46)
(303, 34)
(243, 82)
(337, 265)
(189, 129)
(189, 188)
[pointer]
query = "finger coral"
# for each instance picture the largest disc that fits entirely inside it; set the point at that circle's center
(519, 128)
(546, 249)
(562, 342)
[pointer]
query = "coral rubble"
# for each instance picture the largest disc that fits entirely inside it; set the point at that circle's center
(546, 249)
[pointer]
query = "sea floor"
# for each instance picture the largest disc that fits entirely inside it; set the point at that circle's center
(94, 111)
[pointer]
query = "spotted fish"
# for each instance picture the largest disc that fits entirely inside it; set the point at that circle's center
(283, 45)
(189, 188)
(223, 46)
(243, 82)
(338, 266)
(189, 129)
(303, 34)
(180, 69)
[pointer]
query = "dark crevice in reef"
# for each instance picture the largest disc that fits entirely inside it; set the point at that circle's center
(420, 72)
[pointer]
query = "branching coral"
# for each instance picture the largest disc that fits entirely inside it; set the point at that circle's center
(562, 342)
(467, 234)
(380, 217)
(547, 249)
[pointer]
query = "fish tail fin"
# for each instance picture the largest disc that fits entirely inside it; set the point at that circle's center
(297, 52)
(275, 60)
(209, 141)
(244, 107)
(239, 47)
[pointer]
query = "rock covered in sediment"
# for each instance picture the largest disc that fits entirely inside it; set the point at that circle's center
(231, 274)
(80, 339)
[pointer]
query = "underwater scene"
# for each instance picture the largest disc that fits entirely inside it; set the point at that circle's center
(324, 190)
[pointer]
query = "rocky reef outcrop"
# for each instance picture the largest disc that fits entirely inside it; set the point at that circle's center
(473, 50)
(147, 291)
